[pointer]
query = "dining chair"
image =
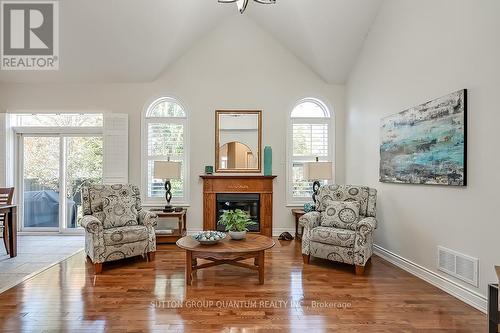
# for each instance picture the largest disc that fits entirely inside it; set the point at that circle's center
(6, 194)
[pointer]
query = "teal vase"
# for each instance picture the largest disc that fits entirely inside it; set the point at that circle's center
(268, 161)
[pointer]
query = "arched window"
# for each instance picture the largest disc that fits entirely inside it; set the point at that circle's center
(164, 137)
(310, 136)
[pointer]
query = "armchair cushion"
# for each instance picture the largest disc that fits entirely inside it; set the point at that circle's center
(120, 208)
(338, 192)
(341, 214)
(125, 235)
(333, 236)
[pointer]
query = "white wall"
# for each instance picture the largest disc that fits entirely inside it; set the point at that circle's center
(237, 66)
(416, 51)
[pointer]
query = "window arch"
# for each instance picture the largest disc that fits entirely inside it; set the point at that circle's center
(165, 132)
(310, 137)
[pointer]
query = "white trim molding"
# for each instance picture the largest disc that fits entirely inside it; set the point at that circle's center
(449, 286)
(279, 231)
(329, 120)
(185, 122)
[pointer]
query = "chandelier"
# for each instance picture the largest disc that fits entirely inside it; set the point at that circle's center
(242, 4)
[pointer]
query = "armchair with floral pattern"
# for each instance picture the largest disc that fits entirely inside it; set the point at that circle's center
(348, 243)
(116, 226)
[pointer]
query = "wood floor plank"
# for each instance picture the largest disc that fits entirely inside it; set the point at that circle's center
(139, 296)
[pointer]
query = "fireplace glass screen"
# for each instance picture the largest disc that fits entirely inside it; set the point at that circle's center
(248, 202)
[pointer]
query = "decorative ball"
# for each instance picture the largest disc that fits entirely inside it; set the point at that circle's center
(309, 207)
(209, 237)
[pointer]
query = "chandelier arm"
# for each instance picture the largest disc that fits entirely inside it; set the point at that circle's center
(266, 2)
(242, 4)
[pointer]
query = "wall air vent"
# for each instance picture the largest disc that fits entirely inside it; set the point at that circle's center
(459, 265)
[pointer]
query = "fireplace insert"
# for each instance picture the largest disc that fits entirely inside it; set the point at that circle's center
(248, 202)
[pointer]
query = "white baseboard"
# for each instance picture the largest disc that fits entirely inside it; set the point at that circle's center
(464, 294)
(279, 231)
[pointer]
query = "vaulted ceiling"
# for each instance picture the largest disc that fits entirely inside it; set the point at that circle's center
(135, 41)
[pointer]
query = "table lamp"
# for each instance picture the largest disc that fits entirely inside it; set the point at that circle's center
(317, 171)
(167, 170)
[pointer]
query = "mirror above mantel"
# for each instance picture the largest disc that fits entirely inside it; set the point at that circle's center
(238, 136)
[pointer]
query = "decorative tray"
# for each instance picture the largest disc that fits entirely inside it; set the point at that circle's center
(209, 237)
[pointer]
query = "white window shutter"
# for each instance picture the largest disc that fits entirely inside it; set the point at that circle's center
(115, 148)
(3, 149)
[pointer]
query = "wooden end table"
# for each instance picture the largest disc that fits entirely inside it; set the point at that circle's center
(297, 213)
(493, 313)
(227, 251)
(10, 221)
(177, 233)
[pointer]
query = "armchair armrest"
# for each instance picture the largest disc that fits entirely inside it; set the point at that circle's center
(91, 224)
(363, 246)
(147, 218)
(310, 220)
(366, 226)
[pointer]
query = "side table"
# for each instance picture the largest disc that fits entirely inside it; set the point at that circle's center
(297, 213)
(171, 238)
(493, 313)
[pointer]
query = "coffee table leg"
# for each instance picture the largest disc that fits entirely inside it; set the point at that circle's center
(261, 267)
(189, 267)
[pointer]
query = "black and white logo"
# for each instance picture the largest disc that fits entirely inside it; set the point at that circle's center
(30, 35)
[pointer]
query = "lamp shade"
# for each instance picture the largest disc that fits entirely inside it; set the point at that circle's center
(318, 170)
(167, 170)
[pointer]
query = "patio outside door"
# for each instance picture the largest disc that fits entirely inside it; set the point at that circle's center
(53, 169)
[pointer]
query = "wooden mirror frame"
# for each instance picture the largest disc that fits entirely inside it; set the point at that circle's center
(218, 113)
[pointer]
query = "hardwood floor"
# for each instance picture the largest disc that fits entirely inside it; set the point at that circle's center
(35, 253)
(136, 295)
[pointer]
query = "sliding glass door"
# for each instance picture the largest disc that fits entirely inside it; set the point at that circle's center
(41, 182)
(53, 169)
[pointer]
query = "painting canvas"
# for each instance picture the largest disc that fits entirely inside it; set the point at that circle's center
(427, 143)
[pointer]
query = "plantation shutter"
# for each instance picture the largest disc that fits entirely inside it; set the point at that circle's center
(3, 149)
(165, 140)
(310, 140)
(115, 169)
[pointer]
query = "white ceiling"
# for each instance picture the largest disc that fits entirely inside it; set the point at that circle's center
(135, 40)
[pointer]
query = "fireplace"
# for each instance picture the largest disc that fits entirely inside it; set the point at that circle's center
(247, 202)
(252, 193)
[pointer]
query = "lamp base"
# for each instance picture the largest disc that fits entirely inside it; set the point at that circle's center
(168, 196)
(168, 209)
(316, 186)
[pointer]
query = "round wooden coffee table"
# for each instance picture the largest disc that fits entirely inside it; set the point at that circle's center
(228, 251)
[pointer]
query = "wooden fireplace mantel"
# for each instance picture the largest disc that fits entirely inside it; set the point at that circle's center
(263, 185)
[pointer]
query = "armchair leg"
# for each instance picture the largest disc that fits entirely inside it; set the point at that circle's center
(151, 256)
(305, 258)
(360, 270)
(97, 268)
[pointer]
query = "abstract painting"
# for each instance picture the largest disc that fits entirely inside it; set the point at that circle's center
(427, 143)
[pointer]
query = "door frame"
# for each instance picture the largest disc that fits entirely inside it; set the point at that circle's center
(61, 133)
